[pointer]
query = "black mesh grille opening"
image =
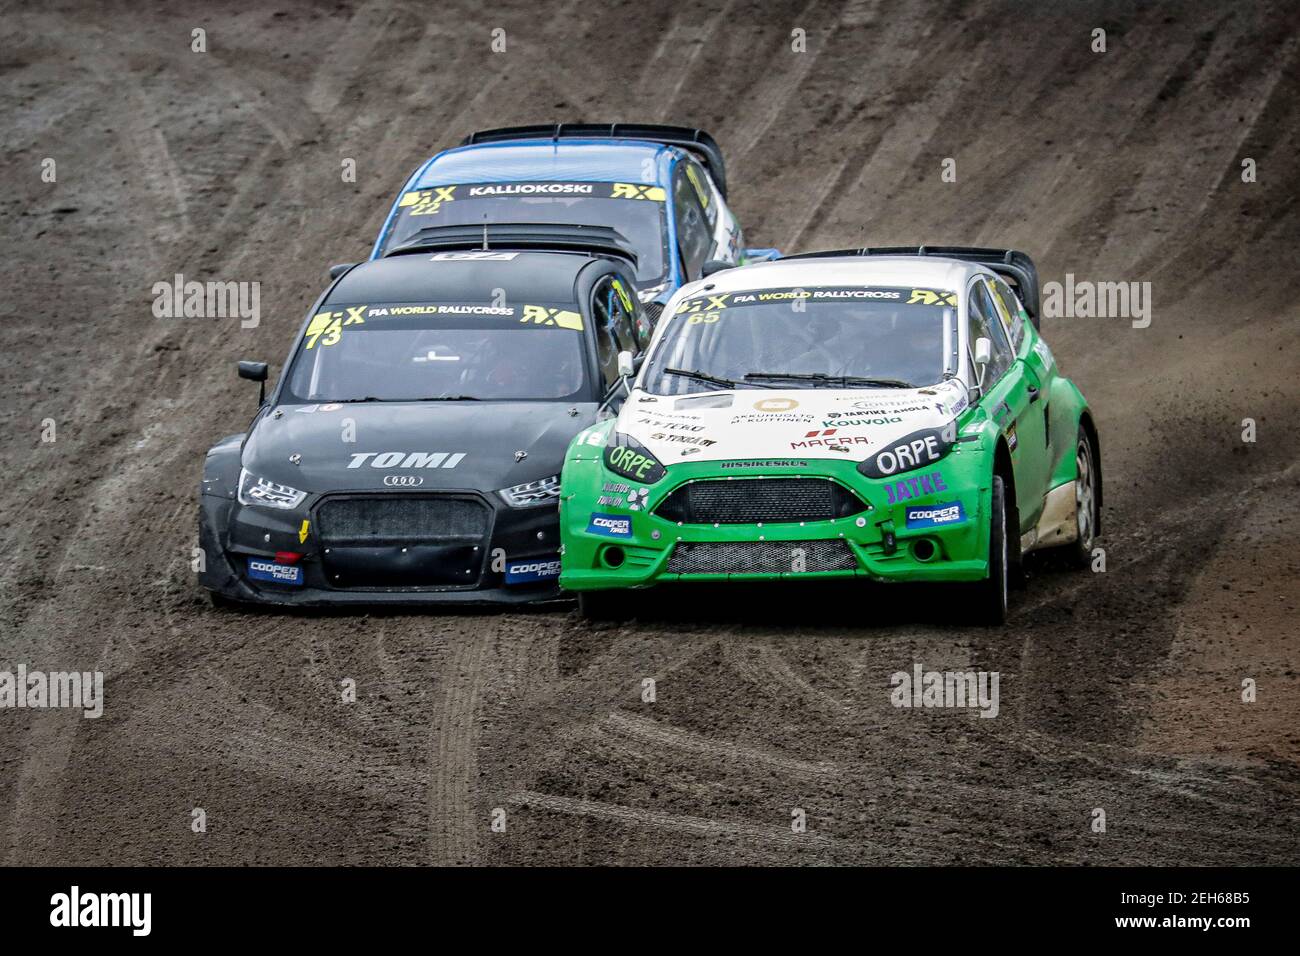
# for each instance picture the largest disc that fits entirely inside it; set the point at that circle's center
(385, 520)
(751, 500)
(762, 557)
(396, 542)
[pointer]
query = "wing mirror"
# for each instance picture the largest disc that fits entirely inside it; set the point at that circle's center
(340, 268)
(626, 365)
(256, 372)
(715, 265)
(983, 355)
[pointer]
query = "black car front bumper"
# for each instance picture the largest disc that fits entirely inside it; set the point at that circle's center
(383, 548)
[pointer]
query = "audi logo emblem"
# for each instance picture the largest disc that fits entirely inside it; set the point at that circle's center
(403, 481)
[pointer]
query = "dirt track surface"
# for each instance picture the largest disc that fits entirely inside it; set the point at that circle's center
(1119, 690)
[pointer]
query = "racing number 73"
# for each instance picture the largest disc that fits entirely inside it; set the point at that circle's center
(330, 325)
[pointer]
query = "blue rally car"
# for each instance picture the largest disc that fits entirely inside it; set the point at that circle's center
(662, 189)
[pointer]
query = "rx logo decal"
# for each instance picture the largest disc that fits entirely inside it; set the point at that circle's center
(931, 297)
(714, 302)
(635, 191)
(425, 202)
(541, 315)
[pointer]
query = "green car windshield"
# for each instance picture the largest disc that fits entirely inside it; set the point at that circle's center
(816, 337)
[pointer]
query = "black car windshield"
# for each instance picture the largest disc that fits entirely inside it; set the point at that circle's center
(635, 211)
(816, 337)
(423, 351)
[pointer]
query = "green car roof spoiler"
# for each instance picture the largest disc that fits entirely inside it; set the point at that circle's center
(1011, 264)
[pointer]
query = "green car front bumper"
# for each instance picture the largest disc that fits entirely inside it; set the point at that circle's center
(614, 537)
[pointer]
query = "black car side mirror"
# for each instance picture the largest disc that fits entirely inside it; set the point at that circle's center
(715, 265)
(340, 268)
(257, 372)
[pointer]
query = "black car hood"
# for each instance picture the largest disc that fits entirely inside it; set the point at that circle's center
(414, 444)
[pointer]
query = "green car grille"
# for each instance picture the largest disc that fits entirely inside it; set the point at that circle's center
(755, 500)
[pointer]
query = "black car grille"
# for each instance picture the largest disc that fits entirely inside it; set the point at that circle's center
(754, 500)
(762, 557)
(401, 520)
(396, 541)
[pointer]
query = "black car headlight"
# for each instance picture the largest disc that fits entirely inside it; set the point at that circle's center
(269, 494)
(530, 493)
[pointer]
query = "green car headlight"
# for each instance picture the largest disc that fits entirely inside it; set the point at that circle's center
(628, 458)
(917, 450)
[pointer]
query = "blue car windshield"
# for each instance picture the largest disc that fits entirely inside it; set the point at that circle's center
(635, 211)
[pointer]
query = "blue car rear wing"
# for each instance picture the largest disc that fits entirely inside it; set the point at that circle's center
(700, 143)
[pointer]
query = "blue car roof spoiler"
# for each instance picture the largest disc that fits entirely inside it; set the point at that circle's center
(700, 143)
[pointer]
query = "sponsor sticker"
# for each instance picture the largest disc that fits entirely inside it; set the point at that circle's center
(829, 438)
(766, 463)
(916, 450)
(424, 202)
(611, 526)
(476, 255)
(260, 569)
(914, 487)
(532, 570)
(629, 460)
(895, 294)
(932, 516)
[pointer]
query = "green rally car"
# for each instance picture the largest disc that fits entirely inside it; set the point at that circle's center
(888, 414)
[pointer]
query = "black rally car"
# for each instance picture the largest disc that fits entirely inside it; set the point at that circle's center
(410, 452)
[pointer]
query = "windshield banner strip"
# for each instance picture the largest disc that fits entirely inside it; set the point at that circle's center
(423, 202)
(326, 328)
(904, 295)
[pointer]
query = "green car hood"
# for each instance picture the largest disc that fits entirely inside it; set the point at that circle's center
(806, 423)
